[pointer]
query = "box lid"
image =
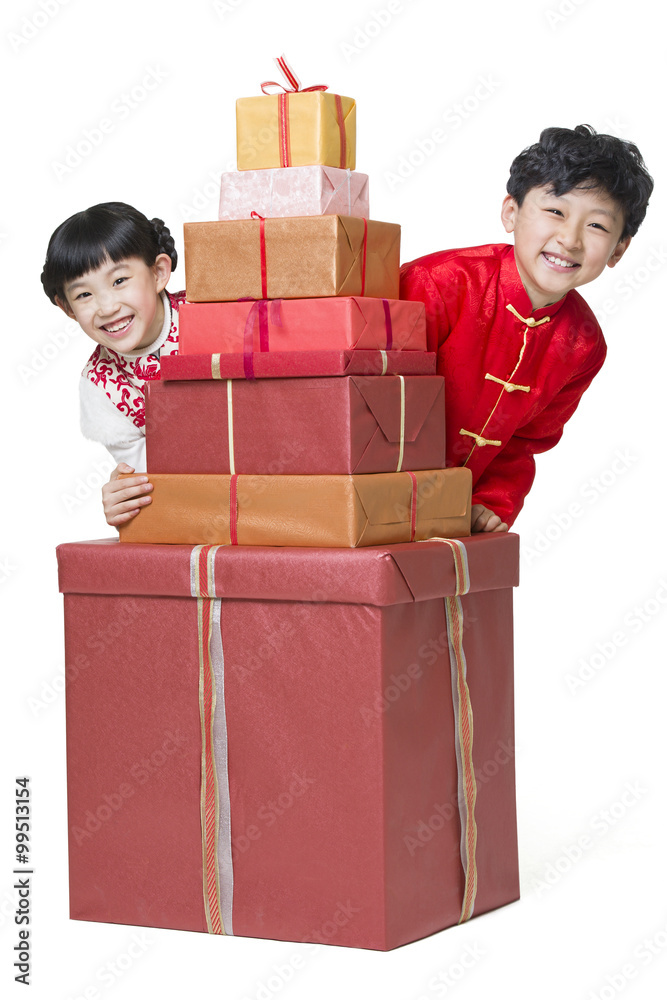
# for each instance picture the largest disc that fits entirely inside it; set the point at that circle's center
(377, 575)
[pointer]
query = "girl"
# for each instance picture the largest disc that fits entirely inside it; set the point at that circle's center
(108, 268)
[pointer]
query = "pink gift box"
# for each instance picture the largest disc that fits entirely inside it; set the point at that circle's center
(286, 191)
(362, 323)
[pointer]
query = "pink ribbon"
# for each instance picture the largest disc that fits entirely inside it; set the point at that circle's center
(264, 311)
(388, 326)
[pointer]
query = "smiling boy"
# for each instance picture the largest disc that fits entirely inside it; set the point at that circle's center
(516, 343)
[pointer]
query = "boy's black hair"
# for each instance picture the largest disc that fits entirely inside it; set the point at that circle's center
(567, 158)
(112, 230)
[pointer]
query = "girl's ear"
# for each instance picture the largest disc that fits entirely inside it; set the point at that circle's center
(65, 306)
(162, 269)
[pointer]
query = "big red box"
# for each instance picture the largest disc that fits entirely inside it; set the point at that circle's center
(333, 736)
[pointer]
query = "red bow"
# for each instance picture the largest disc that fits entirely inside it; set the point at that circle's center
(293, 83)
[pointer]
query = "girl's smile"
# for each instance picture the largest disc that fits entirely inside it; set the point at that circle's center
(118, 304)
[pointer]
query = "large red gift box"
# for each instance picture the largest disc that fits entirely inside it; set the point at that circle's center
(296, 426)
(264, 742)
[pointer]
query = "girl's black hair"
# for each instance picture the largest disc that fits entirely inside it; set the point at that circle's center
(567, 158)
(112, 231)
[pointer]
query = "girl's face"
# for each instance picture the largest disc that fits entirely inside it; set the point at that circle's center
(119, 305)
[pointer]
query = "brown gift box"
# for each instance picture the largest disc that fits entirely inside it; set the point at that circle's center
(327, 511)
(306, 257)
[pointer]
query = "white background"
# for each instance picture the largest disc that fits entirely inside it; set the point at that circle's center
(578, 931)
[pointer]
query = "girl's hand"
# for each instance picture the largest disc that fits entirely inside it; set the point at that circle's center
(484, 519)
(123, 499)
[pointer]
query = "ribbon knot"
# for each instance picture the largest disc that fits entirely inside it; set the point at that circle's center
(293, 82)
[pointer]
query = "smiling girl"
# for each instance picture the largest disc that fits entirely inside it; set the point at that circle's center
(108, 268)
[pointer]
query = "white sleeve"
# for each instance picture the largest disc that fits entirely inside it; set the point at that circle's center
(102, 421)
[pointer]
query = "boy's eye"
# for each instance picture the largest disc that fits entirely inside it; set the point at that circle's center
(596, 225)
(82, 295)
(556, 211)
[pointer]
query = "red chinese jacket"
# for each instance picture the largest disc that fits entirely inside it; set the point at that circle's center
(514, 375)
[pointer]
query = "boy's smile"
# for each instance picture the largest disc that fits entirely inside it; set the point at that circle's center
(118, 305)
(563, 242)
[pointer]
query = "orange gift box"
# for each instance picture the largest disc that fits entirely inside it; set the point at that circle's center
(294, 258)
(326, 511)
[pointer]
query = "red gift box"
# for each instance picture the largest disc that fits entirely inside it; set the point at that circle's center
(296, 364)
(308, 426)
(331, 693)
(302, 325)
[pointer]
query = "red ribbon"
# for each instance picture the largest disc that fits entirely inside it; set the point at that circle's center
(283, 115)
(265, 310)
(233, 510)
(262, 250)
(293, 83)
(341, 128)
(363, 258)
(413, 507)
(387, 324)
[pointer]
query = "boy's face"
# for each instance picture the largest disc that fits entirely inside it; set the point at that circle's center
(118, 305)
(563, 242)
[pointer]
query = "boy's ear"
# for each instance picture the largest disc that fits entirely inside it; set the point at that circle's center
(508, 213)
(162, 268)
(65, 306)
(618, 251)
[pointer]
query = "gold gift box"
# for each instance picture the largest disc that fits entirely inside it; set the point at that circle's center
(314, 131)
(319, 511)
(310, 256)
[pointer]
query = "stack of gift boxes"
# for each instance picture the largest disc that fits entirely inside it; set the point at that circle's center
(302, 661)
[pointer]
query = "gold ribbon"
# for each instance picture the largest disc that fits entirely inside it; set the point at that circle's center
(402, 442)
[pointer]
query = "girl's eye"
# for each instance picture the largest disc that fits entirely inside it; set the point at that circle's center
(119, 279)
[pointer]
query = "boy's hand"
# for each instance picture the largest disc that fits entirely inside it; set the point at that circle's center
(123, 499)
(484, 519)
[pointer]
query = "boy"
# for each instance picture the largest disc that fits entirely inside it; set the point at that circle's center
(517, 344)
